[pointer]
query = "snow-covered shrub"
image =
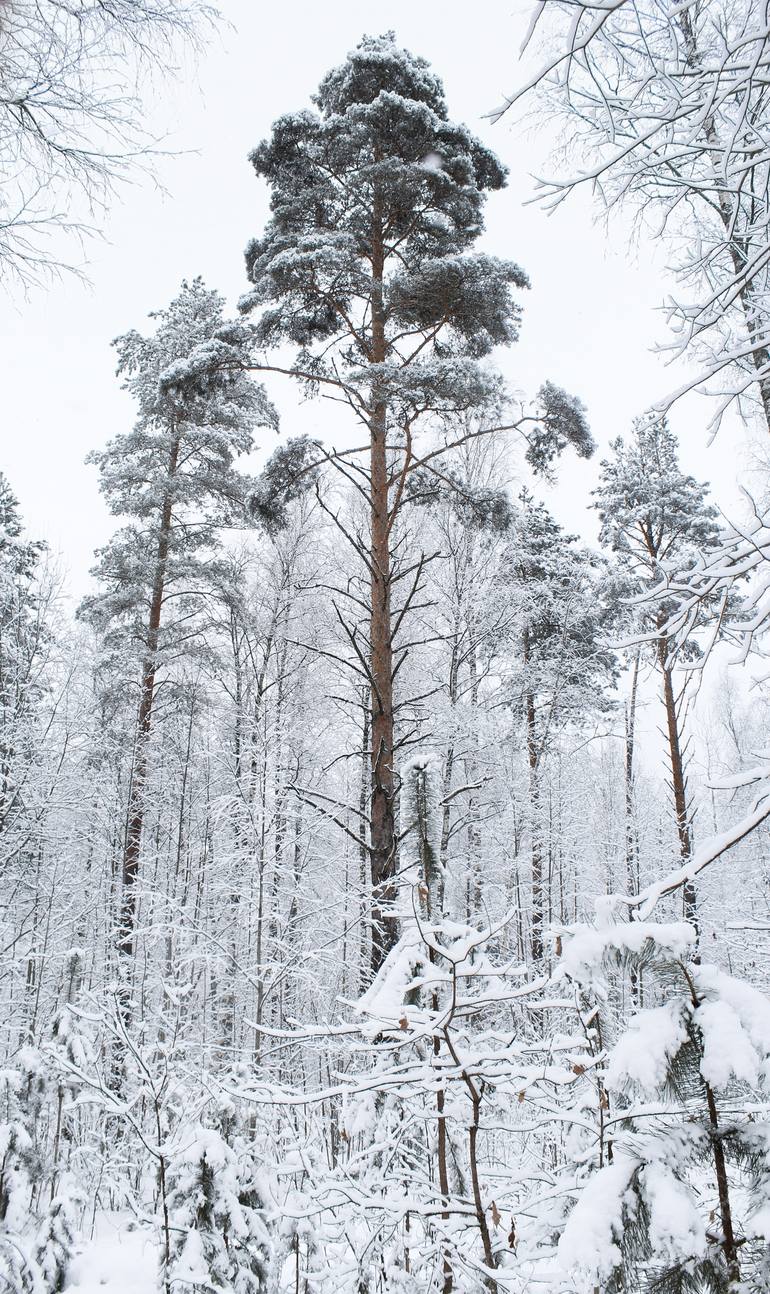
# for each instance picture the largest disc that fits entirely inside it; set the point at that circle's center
(218, 1236)
(70, 1059)
(57, 1235)
(22, 1090)
(18, 1272)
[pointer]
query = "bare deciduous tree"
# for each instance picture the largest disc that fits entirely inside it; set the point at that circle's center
(71, 114)
(665, 109)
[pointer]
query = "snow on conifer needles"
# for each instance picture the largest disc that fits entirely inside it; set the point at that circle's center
(356, 935)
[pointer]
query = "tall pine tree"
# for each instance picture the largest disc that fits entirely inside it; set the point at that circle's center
(174, 477)
(366, 267)
(654, 515)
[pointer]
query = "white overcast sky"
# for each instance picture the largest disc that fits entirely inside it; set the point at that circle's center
(591, 318)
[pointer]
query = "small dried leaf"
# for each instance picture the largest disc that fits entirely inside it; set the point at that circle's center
(403, 1023)
(522, 1095)
(558, 945)
(497, 1216)
(604, 1101)
(578, 1069)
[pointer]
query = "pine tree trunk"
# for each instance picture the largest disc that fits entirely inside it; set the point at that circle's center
(678, 779)
(363, 852)
(730, 1246)
(136, 807)
(382, 815)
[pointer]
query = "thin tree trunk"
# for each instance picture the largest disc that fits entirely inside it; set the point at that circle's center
(474, 834)
(136, 809)
(729, 1244)
(441, 1151)
(631, 877)
(240, 840)
(475, 1091)
(478, 1203)
(678, 778)
(632, 855)
(536, 930)
(449, 758)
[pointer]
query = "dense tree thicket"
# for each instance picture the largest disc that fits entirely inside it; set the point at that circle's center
(349, 836)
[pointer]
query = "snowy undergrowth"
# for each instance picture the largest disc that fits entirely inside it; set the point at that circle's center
(121, 1258)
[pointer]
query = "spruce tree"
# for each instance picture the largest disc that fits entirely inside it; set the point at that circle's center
(57, 1234)
(218, 1233)
(366, 267)
(23, 1093)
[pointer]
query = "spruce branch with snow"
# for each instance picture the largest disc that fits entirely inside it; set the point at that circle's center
(680, 1200)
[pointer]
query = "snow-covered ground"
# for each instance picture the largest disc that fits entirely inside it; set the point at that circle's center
(118, 1260)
